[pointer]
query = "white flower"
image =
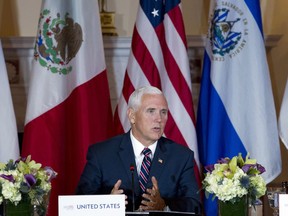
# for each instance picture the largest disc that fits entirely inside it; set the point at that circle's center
(228, 182)
(24, 177)
(10, 192)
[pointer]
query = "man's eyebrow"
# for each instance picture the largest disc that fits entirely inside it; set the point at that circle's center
(151, 109)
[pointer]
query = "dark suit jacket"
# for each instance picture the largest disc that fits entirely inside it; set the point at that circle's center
(172, 165)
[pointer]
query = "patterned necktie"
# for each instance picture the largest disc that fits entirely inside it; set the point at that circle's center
(145, 168)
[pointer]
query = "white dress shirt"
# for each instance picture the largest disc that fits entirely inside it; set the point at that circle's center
(138, 148)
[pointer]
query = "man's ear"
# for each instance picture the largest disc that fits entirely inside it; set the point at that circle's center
(131, 115)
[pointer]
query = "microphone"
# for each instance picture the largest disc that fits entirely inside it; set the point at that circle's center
(132, 168)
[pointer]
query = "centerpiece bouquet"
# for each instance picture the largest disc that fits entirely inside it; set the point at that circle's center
(234, 180)
(25, 180)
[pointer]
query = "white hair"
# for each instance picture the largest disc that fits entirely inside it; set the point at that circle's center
(135, 98)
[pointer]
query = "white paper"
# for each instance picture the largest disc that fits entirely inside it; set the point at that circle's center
(283, 204)
(91, 205)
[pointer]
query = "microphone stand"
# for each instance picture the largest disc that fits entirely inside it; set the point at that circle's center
(132, 168)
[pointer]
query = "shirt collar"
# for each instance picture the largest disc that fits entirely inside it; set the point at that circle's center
(138, 146)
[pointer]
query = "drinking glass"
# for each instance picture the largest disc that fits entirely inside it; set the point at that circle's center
(273, 198)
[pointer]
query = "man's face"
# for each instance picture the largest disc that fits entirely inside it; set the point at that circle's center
(149, 121)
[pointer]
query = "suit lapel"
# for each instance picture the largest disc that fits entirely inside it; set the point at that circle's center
(158, 162)
(126, 154)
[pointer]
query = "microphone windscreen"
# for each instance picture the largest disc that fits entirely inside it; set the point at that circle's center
(132, 167)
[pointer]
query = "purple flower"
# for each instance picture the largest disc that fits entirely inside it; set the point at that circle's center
(253, 168)
(209, 168)
(50, 173)
(30, 179)
(260, 168)
(223, 161)
(23, 159)
(247, 167)
(10, 178)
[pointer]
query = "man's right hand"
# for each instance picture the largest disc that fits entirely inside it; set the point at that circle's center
(116, 190)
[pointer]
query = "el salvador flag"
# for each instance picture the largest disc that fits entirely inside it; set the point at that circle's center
(236, 112)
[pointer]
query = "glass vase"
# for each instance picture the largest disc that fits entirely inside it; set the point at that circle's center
(23, 208)
(41, 205)
(239, 208)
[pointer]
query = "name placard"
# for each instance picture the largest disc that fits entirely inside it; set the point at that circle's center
(91, 205)
(283, 204)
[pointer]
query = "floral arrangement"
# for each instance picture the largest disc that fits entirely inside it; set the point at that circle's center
(25, 179)
(231, 179)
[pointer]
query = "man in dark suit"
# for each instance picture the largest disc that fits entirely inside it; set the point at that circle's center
(171, 183)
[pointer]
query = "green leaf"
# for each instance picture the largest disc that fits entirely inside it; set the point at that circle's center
(53, 69)
(2, 166)
(45, 28)
(240, 160)
(49, 42)
(250, 161)
(64, 71)
(42, 62)
(46, 11)
(233, 164)
(33, 165)
(253, 172)
(56, 60)
(52, 52)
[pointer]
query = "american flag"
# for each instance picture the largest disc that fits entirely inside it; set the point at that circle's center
(159, 58)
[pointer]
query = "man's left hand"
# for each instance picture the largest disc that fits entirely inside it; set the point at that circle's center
(152, 198)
